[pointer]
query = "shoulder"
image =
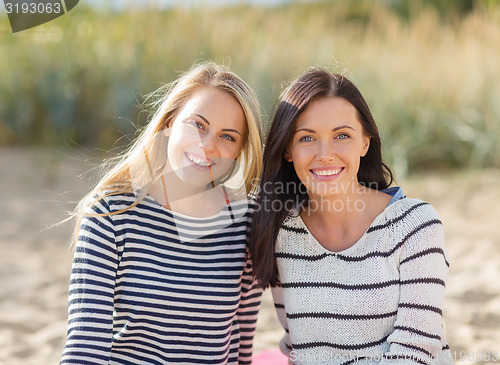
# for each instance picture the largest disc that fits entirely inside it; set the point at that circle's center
(108, 203)
(252, 205)
(417, 230)
(240, 211)
(410, 211)
(407, 217)
(414, 220)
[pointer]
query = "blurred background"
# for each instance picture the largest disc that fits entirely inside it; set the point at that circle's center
(71, 92)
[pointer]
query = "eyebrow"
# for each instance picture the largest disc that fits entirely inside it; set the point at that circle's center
(202, 117)
(333, 130)
(231, 130)
(225, 129)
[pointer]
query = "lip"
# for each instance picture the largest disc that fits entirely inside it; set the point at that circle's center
(199, 162)
(326, 173)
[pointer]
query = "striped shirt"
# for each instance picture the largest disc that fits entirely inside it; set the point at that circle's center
(377, 302)
(150, 286)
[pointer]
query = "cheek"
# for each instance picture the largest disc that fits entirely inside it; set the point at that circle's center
(230, 150)
(301, 168)
(301, 157)
(350, 151)
(175, 144)
(184, 137)
(179, 142)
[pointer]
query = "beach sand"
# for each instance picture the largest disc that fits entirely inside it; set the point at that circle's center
(35, 261)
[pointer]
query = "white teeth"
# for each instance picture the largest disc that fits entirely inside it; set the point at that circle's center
(198, 161)
(326, 172)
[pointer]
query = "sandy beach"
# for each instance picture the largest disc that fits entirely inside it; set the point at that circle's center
(35, 260)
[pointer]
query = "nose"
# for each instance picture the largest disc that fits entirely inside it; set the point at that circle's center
(208, 143)
(325, 152)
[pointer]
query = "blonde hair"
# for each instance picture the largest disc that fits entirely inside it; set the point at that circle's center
(144, 159)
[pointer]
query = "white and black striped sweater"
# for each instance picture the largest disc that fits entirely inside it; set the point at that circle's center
(378, 302)
(141, 295)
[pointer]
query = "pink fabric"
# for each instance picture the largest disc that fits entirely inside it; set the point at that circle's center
(270, 357)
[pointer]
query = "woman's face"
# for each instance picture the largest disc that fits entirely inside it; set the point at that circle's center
(206, 136)
(327, 146)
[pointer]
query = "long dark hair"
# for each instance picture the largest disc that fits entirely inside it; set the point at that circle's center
(280, 188)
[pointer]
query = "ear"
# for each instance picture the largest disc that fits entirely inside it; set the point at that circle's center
(366, 146)
(288, 156)
(166, 131)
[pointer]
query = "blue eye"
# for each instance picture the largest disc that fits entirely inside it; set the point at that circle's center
(306, 139)
(228, 137)
(343, 136)
(196, 124)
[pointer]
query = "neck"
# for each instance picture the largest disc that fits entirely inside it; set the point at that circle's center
(168, 189)
(340, 205)
(195, 201)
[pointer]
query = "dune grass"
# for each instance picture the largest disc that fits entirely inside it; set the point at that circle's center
(433, 83)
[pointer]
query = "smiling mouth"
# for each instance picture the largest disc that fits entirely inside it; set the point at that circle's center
(327, 172)
(197, 160)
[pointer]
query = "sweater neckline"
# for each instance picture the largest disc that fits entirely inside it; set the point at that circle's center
(398, 194)
(225, 211)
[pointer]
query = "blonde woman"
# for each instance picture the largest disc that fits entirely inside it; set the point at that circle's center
(161, 272)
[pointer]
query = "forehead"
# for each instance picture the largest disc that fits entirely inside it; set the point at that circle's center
(213, 101)
(329, 111)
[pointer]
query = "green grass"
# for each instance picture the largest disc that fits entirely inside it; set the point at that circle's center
(432, 82)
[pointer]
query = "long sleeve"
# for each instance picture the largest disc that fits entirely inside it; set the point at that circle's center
(247, 313)
(279, 304)
(91, 291)
(423, 264)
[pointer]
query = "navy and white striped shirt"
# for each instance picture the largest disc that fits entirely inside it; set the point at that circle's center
(141, 295)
